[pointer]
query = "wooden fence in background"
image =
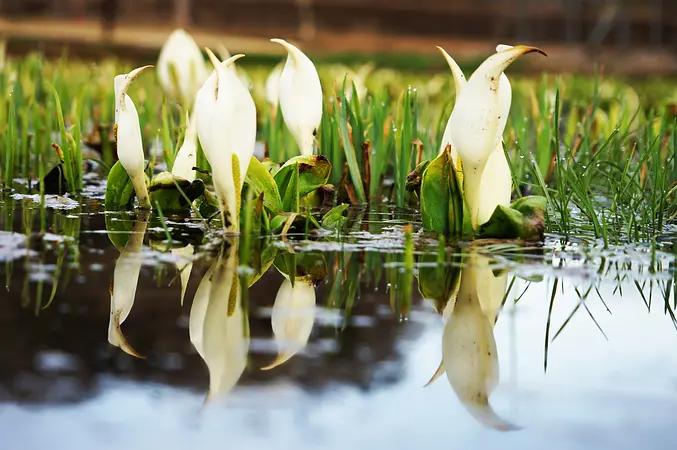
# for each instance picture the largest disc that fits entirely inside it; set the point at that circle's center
(590, 22)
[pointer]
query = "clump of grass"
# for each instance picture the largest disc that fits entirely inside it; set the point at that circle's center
(604, 159)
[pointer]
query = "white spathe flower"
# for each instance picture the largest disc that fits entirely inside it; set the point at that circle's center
(226, 126)
(186, 157)
(272, 88)
(181, 67)
(292, 318)
(459, 84)
(241, 74)
(496, 179)
(218, 325)
(300, 95)
(478, 120)
(469, 353)
(128, 142)
(123, 288)
(352, 77)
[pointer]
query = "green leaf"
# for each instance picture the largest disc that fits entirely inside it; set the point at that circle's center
(260, 180)
(277, 222)
(119, 189)
(524, 219)
(291, 197)
(349, 149)
(165, 192)
(313, 172)
(435, 195)
(333, 219)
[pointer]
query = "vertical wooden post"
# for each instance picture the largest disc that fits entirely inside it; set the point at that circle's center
(656, 38)
(306, 20)
(182, 13)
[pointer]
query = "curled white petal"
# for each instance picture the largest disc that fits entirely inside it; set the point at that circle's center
(300, 94)
(129, 144)
(226, 127)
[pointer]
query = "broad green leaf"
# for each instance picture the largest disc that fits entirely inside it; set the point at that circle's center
(333, 219)
(313, 172)
(290, 188)
(119, 189)
(170, 193)
(525, 219)
(435, 200)
(260, 179)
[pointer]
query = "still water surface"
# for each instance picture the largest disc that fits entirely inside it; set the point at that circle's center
(607, 378)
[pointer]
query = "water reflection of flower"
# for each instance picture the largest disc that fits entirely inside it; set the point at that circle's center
(218, 323)
(123, 287)
(469, 353)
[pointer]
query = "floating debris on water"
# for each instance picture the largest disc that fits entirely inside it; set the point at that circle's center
(12, 246)
(51, 201)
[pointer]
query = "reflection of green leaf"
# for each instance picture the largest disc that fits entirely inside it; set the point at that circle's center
(303, 265)
(286, 264)
(119, 228)
(119, 188)
(333, 219)
(261, 259)
(524, 219)
(311, 264)
(438, 280)
(260, 180)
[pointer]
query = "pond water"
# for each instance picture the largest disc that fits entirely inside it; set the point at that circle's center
(577, 355)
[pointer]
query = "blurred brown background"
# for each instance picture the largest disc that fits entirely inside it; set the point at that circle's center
(641, 32)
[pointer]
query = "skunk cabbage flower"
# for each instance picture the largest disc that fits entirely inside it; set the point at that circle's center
(300, 97)
(128, 131)
(181, 67)
(293, 317)
(226, 126)
(241, 74)
(123, 287)
(218, 324)
(469, 354)
(272, 88)
(459, 84)
(496, 178)
(186, 157)
(478, 120)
